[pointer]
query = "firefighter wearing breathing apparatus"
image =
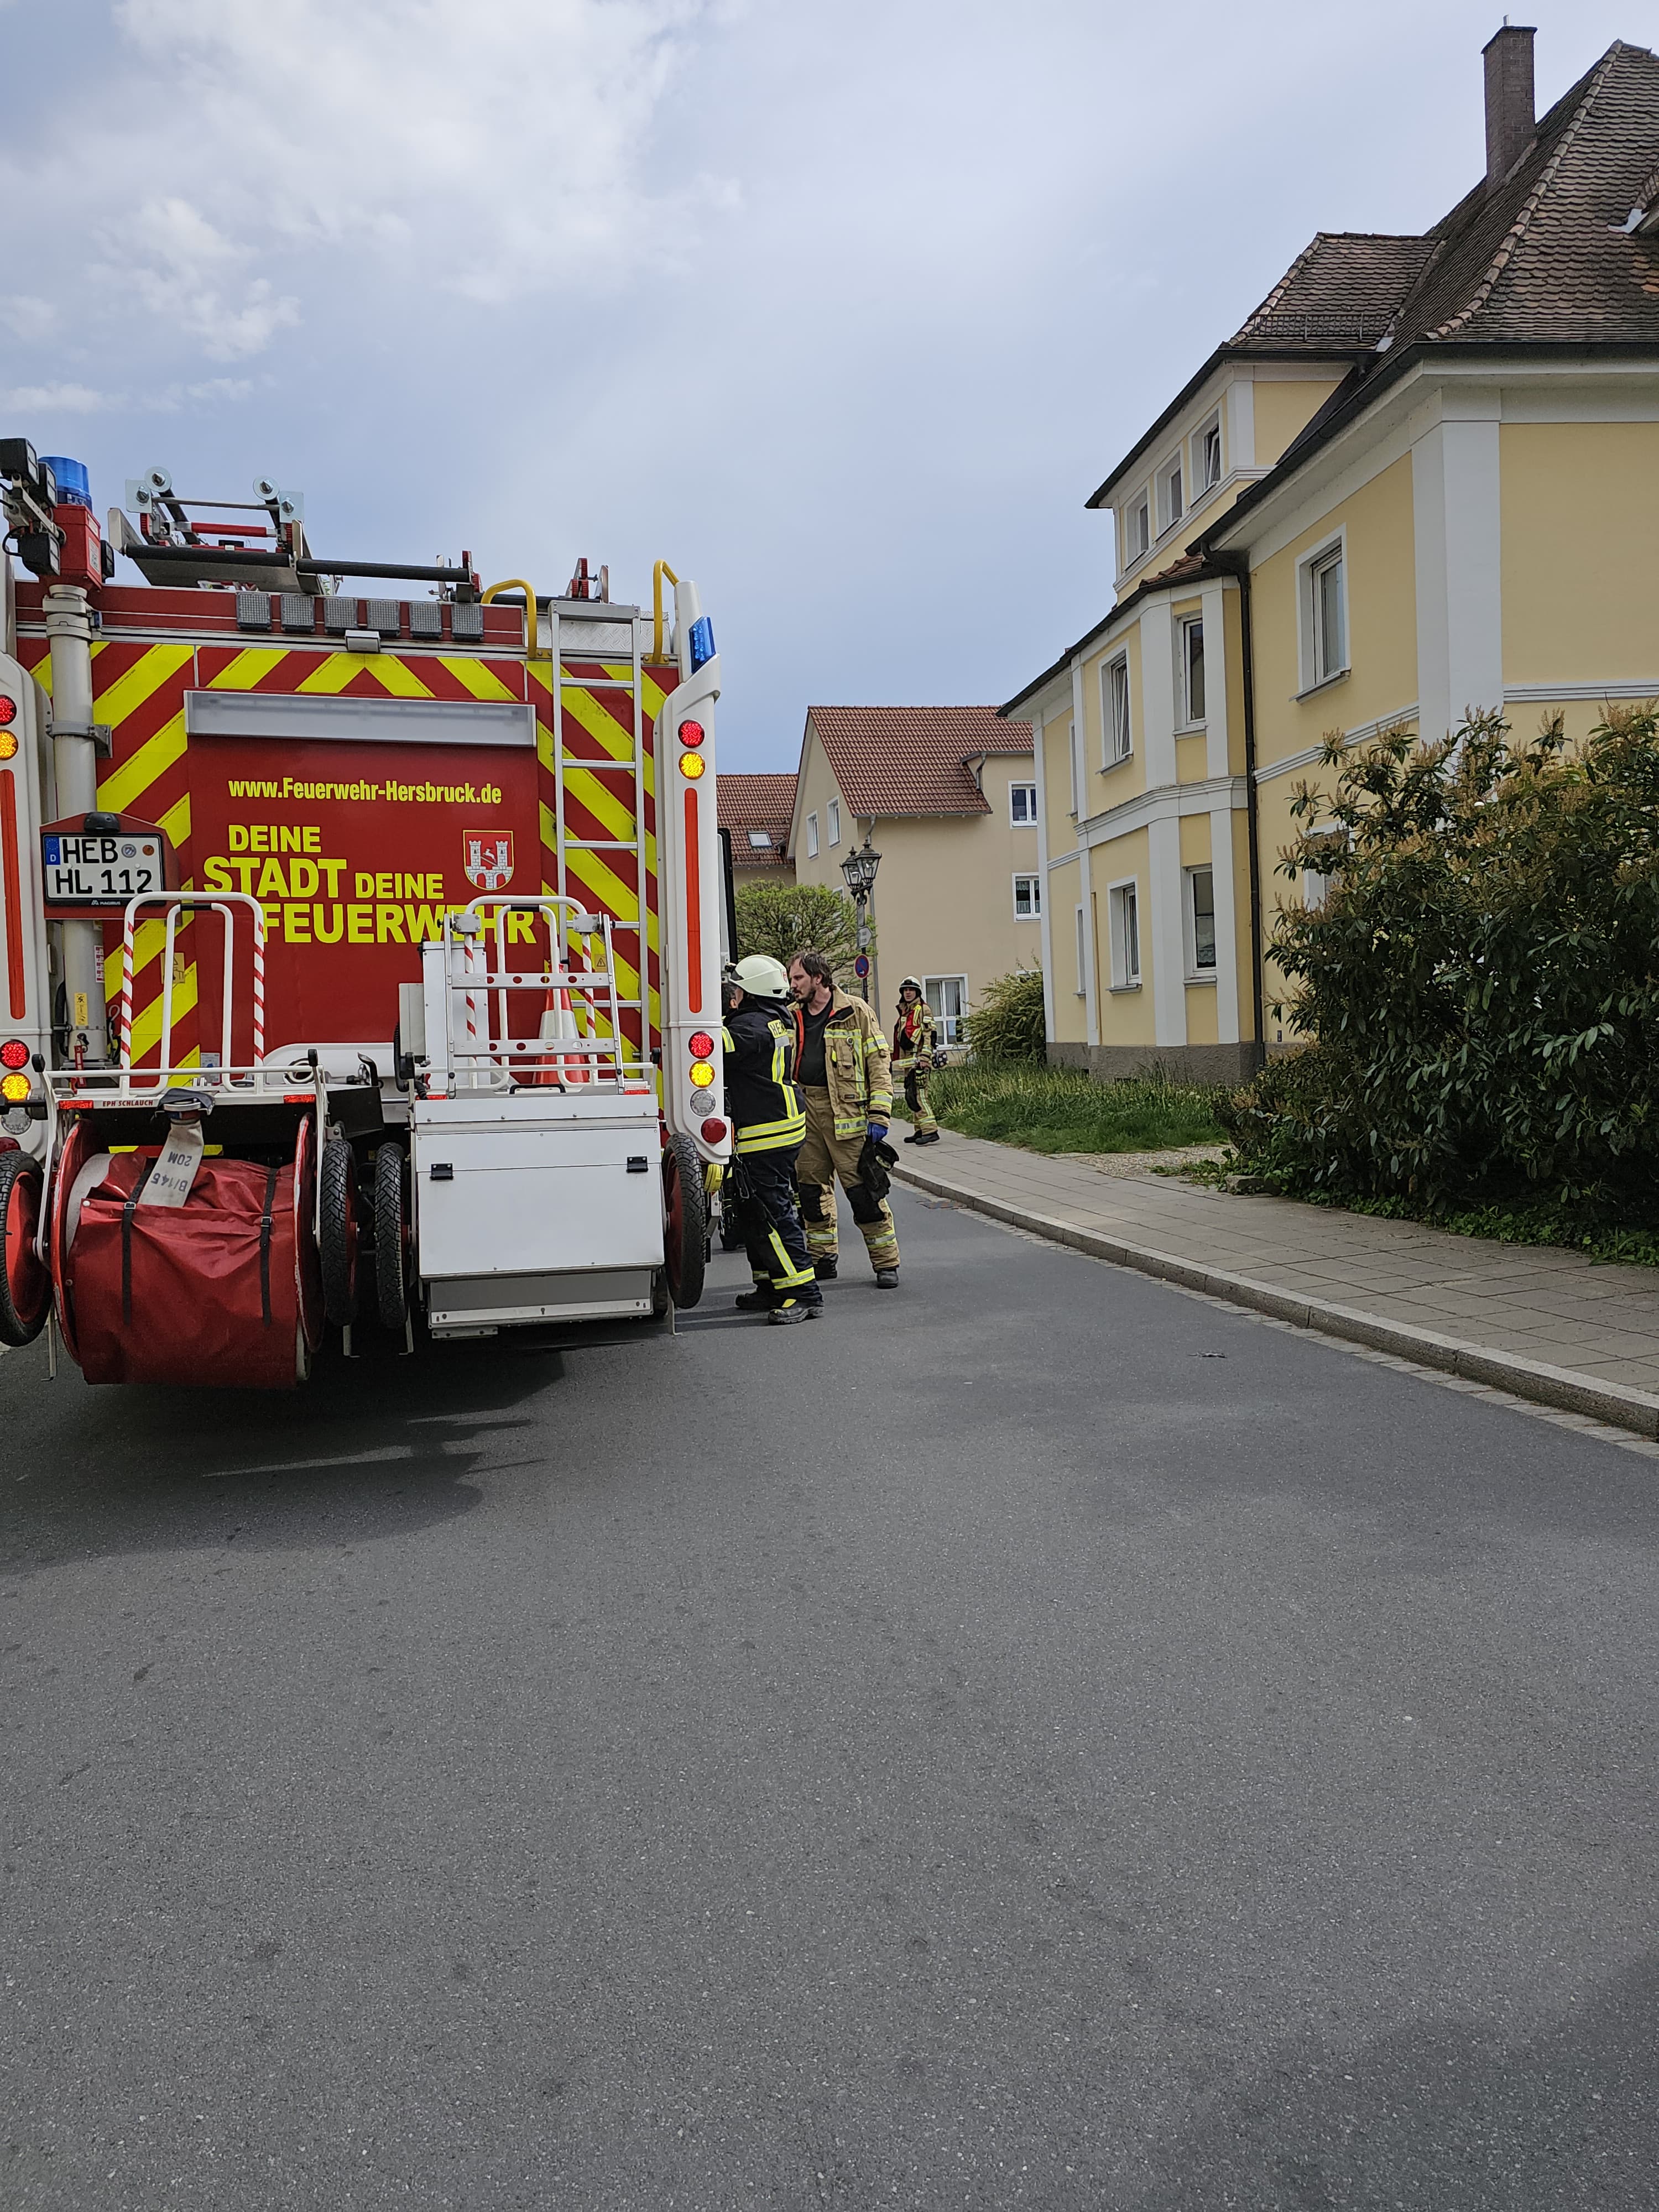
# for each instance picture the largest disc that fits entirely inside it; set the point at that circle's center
(845, 1081)
(767, 1125)
(915, 1053)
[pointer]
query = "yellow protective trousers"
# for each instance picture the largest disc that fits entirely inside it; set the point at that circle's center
(826, 1159)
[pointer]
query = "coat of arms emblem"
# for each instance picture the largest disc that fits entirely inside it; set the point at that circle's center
(488, 859)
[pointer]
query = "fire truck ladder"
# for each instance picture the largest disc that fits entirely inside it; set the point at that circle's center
(623, 779)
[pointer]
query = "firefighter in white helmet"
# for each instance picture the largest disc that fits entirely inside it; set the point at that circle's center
(767, 1125)
(915, 1054)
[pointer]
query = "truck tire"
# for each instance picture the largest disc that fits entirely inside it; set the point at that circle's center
(339, 1241)
(25, 1284)
(391, 1238)
(685, 1220)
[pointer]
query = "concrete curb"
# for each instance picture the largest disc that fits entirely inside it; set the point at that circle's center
(1560, 1387)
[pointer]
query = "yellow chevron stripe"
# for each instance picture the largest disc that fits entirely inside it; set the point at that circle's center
(147, 940)
(480, 681)
(147, 1024)
(176, 821)
(603, 885)
(333, 672)
(599, 724)
(248, 669)
(133, 778)
(146, 677)
(602, 800)
(398, 678)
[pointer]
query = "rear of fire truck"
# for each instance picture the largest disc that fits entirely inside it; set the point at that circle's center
(361, 952)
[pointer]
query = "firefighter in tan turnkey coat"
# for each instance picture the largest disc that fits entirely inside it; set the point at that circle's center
(915, 1054)
(845, 1075)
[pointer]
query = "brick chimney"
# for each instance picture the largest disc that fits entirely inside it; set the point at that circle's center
(1510, 118)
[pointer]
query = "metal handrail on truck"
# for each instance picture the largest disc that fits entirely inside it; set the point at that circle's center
(496, 1056)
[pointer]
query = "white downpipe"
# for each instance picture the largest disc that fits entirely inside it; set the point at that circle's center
(75, 750)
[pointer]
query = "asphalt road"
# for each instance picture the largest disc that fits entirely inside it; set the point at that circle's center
(1032, 1739)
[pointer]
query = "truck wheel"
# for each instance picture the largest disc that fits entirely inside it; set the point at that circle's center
(339, 1233)
(685, 1225)
(391, 1238)
(25, 1284)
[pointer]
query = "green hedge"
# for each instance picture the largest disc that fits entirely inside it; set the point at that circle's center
(1480, 978)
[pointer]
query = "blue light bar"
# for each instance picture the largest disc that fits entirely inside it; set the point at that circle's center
(702, 642)
(74, 485)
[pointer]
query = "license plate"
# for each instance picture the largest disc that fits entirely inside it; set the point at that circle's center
(98, 871)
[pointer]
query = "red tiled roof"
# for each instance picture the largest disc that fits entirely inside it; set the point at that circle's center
(912, 760)
(758, 802)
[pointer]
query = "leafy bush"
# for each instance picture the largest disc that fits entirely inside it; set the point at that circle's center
(1480, 978)
(1008, 1023)
(785, 919)
(1056, 1110)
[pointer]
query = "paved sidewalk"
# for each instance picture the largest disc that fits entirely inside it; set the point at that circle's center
(1547, 1325)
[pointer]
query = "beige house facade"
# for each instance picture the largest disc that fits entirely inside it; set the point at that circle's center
(1422, 478)
(948, 797)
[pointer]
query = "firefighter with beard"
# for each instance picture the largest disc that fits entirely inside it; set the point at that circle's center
(767, 1125)
(915, 1054)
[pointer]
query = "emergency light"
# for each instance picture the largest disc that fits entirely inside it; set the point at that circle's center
(699, 1044)
(14, 1053)
(702, 642)
(691, 733)
(8, 709)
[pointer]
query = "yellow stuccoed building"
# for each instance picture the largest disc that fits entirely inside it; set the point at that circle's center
(1423, 478)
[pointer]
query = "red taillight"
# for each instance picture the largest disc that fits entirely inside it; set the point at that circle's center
(714, 1130)
(691, 733)
(701, 1046)
(8, 712)
(14, 1053)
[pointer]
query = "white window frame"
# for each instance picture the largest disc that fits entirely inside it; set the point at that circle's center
(1314, 674)
(1034, 892)
(1124, 899)
(1184, 630)
(1028, 820)
(1137, 528)
(1202, 480)
(811, 836)
(950, 1025)
(1082, 956)
(1171, 480)
(1111, 751)
(1195, 973)
(834, 824)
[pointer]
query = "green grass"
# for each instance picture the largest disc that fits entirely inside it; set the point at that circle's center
(1053, 1109)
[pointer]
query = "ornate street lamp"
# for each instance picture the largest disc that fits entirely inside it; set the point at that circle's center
(859, 870)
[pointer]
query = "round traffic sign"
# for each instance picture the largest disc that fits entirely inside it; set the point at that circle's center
(861, 966)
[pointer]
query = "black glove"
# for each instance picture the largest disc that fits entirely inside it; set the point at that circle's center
(874, 1160)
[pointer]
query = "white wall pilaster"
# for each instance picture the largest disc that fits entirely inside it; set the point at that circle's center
(1226, 934)
(1163, 925)
(1158, 700)
(1080, 758)
(1240, 424)
(1212, 603)
(1456, 516)
(1045, 932)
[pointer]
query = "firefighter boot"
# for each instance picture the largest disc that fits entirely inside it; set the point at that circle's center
(887, 1278)
(824, 1270)
(794, 1310)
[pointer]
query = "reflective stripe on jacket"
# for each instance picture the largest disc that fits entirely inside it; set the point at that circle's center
(856, 1063)
(915, 1036)
(761, 1096)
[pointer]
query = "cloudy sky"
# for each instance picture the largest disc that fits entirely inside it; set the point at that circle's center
(843, 309)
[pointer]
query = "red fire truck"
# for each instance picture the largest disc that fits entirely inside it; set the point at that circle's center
(360, 954)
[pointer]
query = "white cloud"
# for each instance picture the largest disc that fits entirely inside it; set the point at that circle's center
(23, 315)
(56, 399)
